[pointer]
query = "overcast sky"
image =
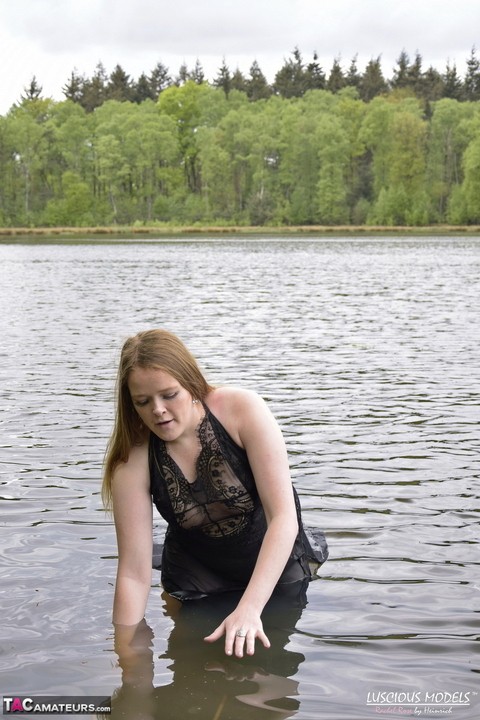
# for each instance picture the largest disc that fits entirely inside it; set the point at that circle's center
(50, 38)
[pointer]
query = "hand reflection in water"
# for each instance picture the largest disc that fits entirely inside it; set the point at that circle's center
(205, 684)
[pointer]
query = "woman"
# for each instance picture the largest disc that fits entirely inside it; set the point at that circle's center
(214, 462)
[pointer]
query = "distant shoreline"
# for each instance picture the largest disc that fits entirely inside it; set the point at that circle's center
(8, 233)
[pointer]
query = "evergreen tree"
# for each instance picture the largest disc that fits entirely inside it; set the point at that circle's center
(197, 74)
(32, 91)
(119, 86)
(183, 75)
(290, 79)
(314, 76)
(257, 85)
(471, 84)
(452, 83)
(159, 79)
(142, 90)
(415, 75)
(94, 89)
(73, 89)
(372, 82)
(353, 77)
(336, 80)
(400, 73)
(224, 79)
(238, 81)
(433, 87)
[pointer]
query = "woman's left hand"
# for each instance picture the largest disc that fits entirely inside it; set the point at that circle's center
(241, 628)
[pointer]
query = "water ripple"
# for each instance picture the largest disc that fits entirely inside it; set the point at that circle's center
(367, 352)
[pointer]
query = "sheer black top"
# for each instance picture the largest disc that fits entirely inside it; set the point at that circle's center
(216, 523)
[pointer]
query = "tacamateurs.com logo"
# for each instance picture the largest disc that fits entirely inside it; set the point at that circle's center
(35, 705)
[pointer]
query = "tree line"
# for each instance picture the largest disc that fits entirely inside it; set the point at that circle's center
(198, 153)
(293, 79)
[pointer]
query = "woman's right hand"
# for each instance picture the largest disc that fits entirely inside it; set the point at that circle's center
(241, 629)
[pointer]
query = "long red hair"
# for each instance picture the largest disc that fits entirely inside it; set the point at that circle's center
(157, 349)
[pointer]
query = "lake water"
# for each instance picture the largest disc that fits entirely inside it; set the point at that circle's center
(368, 354)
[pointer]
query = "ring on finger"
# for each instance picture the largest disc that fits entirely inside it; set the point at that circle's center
(241, 633)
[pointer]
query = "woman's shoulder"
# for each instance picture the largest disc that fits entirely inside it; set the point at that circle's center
(229, 397)
(233, 407)
(136, 464)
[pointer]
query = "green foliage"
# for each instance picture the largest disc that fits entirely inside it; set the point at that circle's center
(450, 130)
(257, 87)
(32, 91)
(217, 155)
(73, 207)
(470, 196)
(471, 85)
(372, 83)
(295, 78)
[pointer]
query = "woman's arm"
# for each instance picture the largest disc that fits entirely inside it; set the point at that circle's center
(260, 435)
(132, 510)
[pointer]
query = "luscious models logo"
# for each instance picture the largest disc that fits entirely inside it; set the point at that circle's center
(417, 703)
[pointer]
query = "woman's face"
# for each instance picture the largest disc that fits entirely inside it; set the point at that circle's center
(164, 406)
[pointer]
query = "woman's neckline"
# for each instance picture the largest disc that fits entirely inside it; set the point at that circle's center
(201, 449)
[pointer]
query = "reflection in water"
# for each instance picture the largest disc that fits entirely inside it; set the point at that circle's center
(206, 684)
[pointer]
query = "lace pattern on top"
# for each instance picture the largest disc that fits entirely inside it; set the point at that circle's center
(217, 502)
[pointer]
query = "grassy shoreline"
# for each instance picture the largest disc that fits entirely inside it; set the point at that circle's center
(8, 233)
